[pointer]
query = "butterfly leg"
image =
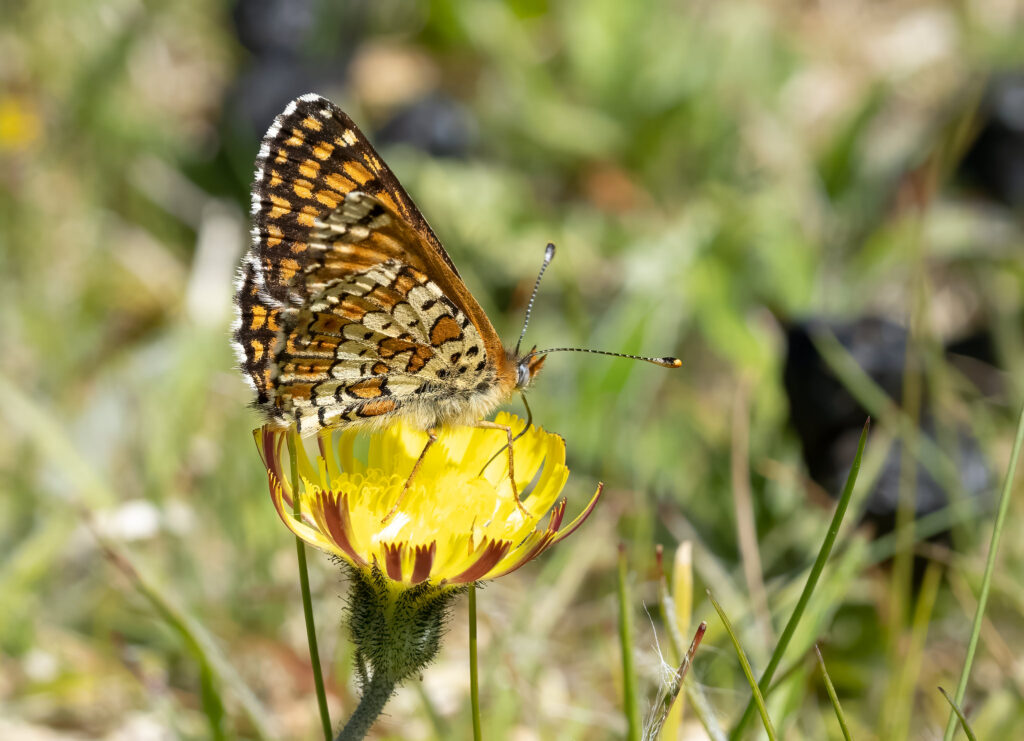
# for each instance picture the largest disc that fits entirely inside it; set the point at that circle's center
(487, 425)
(431, 439)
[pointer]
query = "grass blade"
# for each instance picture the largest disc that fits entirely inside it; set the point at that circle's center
(214, 670)
(812, 582)
(986, 581)
(758, 698)
(631, 705)
(830, 688)
(474, 675)
(959, 714)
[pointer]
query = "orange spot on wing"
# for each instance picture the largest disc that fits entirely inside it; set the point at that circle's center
(257, 350)
(323, 150)
(281, 207)
(311, 123)
(275, 178)
(303, 188)
(307, 216)
(309, 168)
(328, 198)
(351, 311)
(327, 323)
(356, 171)
(368, 389)
(403, 284)
(388, 201)
(274, 235)
(377, 408)
(288, 268)
(444, 330)
(259, 317)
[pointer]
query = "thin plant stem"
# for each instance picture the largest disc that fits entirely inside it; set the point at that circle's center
(986, 581)
(812, 582)
(668, 726)
(960, 715)
(667, 609)
(743, 506)
(631, 706)
(307, 600)
(895, 713)
(474, 675)
(747, 671)
(832, 695)
(910, 666)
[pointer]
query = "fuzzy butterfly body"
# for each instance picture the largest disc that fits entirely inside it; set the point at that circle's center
(350, 312)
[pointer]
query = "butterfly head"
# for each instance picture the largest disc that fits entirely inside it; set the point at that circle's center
(527, 367)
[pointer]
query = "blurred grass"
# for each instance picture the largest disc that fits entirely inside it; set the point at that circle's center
(703, 168)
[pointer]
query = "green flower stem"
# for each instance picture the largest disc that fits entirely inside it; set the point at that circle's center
(812, 581)
(307, 600)
(986, 582)
(375, 696)
(474, 674)
(396, 629)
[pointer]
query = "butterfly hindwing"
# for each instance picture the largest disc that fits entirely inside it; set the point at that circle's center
(374, 341)
(349, 308)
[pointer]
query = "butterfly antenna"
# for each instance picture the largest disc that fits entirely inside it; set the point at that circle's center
(549, 254)
(664, 362)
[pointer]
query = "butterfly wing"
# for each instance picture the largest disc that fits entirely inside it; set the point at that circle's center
(348, 306)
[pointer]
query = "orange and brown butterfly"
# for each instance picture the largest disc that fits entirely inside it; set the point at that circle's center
(350, 312)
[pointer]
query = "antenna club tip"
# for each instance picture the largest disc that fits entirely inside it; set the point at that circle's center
(672, 362)
(549, 251)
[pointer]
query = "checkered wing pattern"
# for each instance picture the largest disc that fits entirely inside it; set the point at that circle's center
(349, 309)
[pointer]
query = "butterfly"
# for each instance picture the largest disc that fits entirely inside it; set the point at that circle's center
(349, 310)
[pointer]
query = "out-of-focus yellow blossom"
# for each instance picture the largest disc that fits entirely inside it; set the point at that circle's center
(20, 126)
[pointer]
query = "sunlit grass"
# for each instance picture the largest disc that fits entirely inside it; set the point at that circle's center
(703, 171)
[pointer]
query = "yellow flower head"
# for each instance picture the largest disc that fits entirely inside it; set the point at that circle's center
(457, 524)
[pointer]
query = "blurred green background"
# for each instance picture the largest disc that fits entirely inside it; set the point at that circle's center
(710, 171)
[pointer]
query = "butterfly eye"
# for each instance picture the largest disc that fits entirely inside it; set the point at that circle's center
(523, 373)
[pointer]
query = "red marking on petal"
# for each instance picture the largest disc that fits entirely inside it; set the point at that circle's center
(492, 553)
(556, 516)
(277, 500)
(393, 561)
(424, 560)
(581, 516)
(538, 548)
(335, 509)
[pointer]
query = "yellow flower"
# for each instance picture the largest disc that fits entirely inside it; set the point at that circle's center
(457, 524)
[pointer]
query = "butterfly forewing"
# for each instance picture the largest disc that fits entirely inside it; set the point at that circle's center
(349, 309)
